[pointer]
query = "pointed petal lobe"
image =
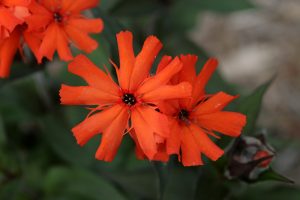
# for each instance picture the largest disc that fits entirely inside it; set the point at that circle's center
(95, 124)
(215, 103)
(8, 49)
(112, 137)
(189, 149)
(144, 133)
(202, 79)
(162, 77)
(144, 61)
(206, 145)
(126, 56)
(85, 95)
(83, 67)
(81, 39)
(181, 90)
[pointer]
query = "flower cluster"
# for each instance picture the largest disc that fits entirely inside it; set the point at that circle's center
(166, 113)
(45, 26)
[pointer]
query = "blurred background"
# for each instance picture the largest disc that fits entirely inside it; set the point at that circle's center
(254, 40)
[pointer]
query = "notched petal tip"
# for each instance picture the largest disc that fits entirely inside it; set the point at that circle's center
(79, 59)
(124, 34)
(80, 139)
(63, 92)
(189, 57)
(100, 25)
(154, 41)
(213, 62)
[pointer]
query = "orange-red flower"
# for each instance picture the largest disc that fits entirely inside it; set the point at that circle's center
(14, 33)
(129, 105)
(12, 13)
(10, 45)
(62, 23)
(193, 119)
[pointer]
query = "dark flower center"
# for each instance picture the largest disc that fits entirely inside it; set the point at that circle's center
(129, 99)
(183, 115)
(58, 17)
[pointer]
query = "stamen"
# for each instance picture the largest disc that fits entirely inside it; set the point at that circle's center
(183, 115)
(58, 17)
(129, 99)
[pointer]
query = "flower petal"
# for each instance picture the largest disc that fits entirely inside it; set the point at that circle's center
(62, 45)
(144, 133)
(78, 5)
(8, 49)
(85, 95)
(165, 60)
(127, 58)
(215, 103)
(34, 41)
(158, 122)
(112, 137)
(95, 77)
(202, 79)
(144, 61)
(174, 141)
(52, 5)
(228, 123)
(16, 2)
(55, 38)
(169, 107)
(162, 77)
(87, 25)
(40, 18)
(8, 19)
(95, 124)
(181, 90)
(188, 72)
(206, 145)
(138, 150)
(48, 44)
(81, 39)
(190, 152)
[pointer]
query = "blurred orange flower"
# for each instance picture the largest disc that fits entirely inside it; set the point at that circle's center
(12, 13)
(193, 119)
(14, 33)
(129, 105)
(10, 45)
(62, 23)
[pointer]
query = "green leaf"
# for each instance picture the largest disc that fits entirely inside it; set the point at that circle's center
(251, 105)
(269, 191)
(181, 183)
(107, 5)
(135, 8)
(142, 183)
(21, 100)
(60, 138)
(10, 190)
(161, 171)
(271, 175)
(79, 183)
(101, 55)
(2, 133)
